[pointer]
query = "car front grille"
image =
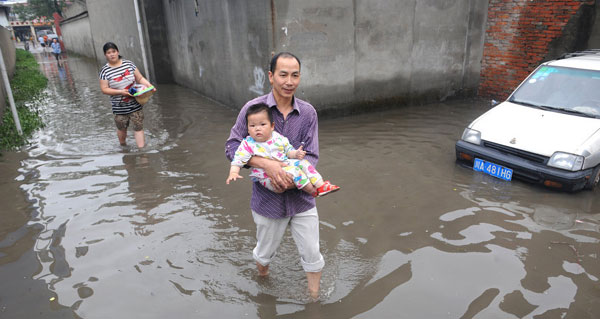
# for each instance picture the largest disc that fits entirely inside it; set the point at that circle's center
(516, 152)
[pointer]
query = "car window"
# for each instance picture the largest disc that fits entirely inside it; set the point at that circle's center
(562, 88)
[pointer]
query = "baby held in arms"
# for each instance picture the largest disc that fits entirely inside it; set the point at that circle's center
(265, 142)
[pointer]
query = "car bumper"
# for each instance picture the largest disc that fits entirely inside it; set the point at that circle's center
(524, 169)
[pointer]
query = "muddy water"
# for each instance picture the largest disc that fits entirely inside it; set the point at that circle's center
(94, 230)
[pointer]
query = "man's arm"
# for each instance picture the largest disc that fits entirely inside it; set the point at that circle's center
(280, 180)
(311, 141)
(236, 135)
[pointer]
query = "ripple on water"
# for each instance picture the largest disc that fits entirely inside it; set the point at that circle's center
(156, 233)
(109, 226)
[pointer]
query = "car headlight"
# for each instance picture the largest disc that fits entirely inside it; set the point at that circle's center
(471, 136)
(566, 161)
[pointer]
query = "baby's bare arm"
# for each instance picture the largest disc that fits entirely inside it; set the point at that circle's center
(234, 174)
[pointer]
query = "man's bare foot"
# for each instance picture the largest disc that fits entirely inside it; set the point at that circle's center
(314, 281)
(263, 271)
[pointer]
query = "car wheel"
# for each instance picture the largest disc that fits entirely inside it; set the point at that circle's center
(594, 179)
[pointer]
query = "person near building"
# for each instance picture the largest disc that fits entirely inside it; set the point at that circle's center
(42, 43)
(273, 211)
(56, 49)
(117, 76)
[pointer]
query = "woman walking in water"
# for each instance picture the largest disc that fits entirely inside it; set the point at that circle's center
(117, 76)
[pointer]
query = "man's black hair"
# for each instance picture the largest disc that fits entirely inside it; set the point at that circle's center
(110, 45)
(282, 55)
(257, 108)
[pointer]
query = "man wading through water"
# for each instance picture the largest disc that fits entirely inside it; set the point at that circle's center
(273, 211)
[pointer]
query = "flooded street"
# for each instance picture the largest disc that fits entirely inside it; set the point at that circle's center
(91, 229)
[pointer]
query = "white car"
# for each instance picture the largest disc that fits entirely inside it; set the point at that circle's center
(547, 131)
(51, 35)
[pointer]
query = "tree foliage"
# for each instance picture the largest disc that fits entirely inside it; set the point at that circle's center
(38, 8)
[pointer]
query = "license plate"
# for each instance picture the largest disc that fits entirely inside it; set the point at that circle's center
(493, 169)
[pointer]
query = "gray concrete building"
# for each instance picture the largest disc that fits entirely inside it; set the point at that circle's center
(354, 54)
(76, 32)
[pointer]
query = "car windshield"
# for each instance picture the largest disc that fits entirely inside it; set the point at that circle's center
(563, 89)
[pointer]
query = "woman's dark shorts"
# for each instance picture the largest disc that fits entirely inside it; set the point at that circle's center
(136, 118)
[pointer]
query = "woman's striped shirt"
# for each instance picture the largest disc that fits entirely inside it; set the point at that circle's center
(119, 78)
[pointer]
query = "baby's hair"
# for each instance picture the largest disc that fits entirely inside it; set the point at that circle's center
(257, 108)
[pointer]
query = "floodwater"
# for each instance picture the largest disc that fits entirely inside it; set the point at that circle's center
(90, 229)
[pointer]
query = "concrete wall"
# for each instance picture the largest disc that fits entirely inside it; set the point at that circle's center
(76, 31)
(87, 25)
(77, 35)
(384, 51)
(353, 53)
(8, 51)
(4, 16)
(115, 21)
(9, 55)
(220, 48)
(156, 37)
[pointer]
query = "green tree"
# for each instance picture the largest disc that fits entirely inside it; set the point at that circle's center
(23, 12)
(39, 8)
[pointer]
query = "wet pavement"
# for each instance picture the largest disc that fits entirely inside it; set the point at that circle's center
(91, 229)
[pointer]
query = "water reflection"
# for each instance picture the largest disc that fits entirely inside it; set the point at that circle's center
(120, 232)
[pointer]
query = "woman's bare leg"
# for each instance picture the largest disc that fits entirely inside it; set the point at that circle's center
(122, 135)
(139, 138)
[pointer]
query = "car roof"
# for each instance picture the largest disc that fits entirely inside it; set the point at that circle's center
(587, 60)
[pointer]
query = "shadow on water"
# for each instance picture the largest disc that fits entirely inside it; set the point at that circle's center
(119, 232)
